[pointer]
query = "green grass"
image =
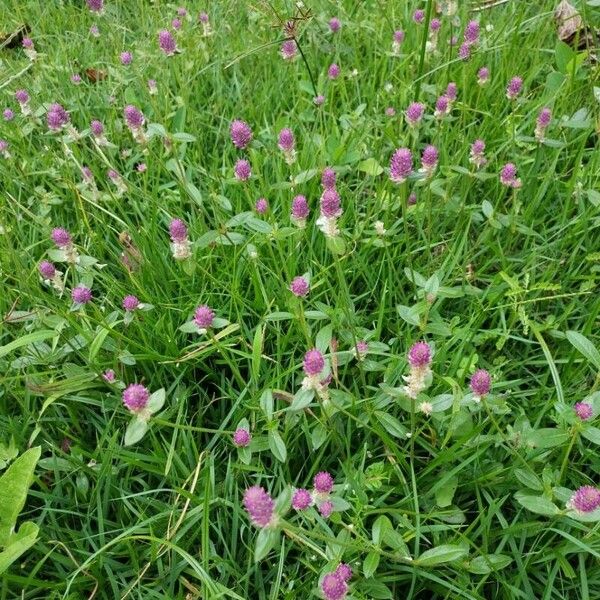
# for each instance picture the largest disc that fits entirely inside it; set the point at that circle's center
(491, 278)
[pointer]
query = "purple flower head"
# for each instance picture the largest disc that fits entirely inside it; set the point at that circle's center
(508, 176)
(204, 317)
(133, 117)
(323, 482)
(429, 158)
(259, 505)
(419, 16)
(481, 383)
(81, 294)
(344, 571)
(178, 230)
(464, 52)
(582, 409)
(289, 49)
(401, 165)
(586, 499)
(319, 100)
(452, 91)
(514, 87)
(126, 58)
(242, 170)
(414, 113)
(22, 97)
(301, 499)
(412, 199)
(87, 174)
(544, 118)
(166, 42)
(471, 35)
(135, 397)
(335, 24)
(362, 347)
(176, 23)
(57, 117)
(47, 269)
(299, 286)
(27, 43)
(442, 106)
(286, 140)
(203, 17)
(483, 75)
(453, 40)
(94, 30)
(241, 134)
(419, 355)
(300, 208)
(398, 36)
(333, 71)
(109, 376)
(141, 167)
(477, 154)
(181, 11)
(97, 128)
(328, 178)
(390, 111)
(130, 303)
(61, 237)
(435, 24)
(314, 362)
(152, 86)
(330, 203)
(8, 114)
(241, 437)
(95, 5)
(3, 147)
(261, 206)
(326, 508)
(478, 147)
(113, 175)
(334, 587)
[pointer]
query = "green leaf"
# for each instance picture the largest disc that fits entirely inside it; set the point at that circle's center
(529, 479)
(318, 436)
(323, 338)
(537, 504)
(181, 136)
(266, 403)
(135, 431)
(265, 541)
(371, 563)
(440, 554)
(336, 245)
(14, 484)
(18, 544)
(156, 400)
(482, 565)
(189, 327)
(302, 399)
(277, 446)
(381, 525)
(583, 345)
(371, 167)
(548, 437)
(409, 313)
(592, 434)
(257, 345)
(391, 424)
(564, 54)
(25, 340)
(305, 176)
(445, 493)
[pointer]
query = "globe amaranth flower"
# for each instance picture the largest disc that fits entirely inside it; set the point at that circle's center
(323, 482)
(477, 154)
(242, 170)
(314, 362)
(204, 317)
(401, 165)
(180, 246)
(330, 203)
(136, 397)
(57, 117)
(584, 410)
(326, 508)
(95, 5)
(260, 506)
(126, 58)
(29, 48)
(286, 143)
(481, 384)
(429, 159)
(81, 294)
(261, 206)
(61, 237)
(289, 50)
(166, 42)
(419, 359)
(241, 134)
(301, 499)
(176, 24)
(419, 355)
(412, 199)
(94, 30)
(542, 123)
(22, 97)
(483, 76)
(451, 91)
(299, 286)
(134, 118)
(47, 269)
(508, 176)
(109, 376)
(8, 114)
(585, 500)
(152, 87)
(414, 113)
(390, 111)
(419, 16)
(328, 178)
(344, 571)
(333, 71)
(362, 348)
(397, 40)
(442, 107)
(435, 25)
(471, 35)
(464, 52)
(334, 587)
(514, 87)
(241, 437)
(300, 210)
(130, 303)
(319, 100)
(334, 25)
